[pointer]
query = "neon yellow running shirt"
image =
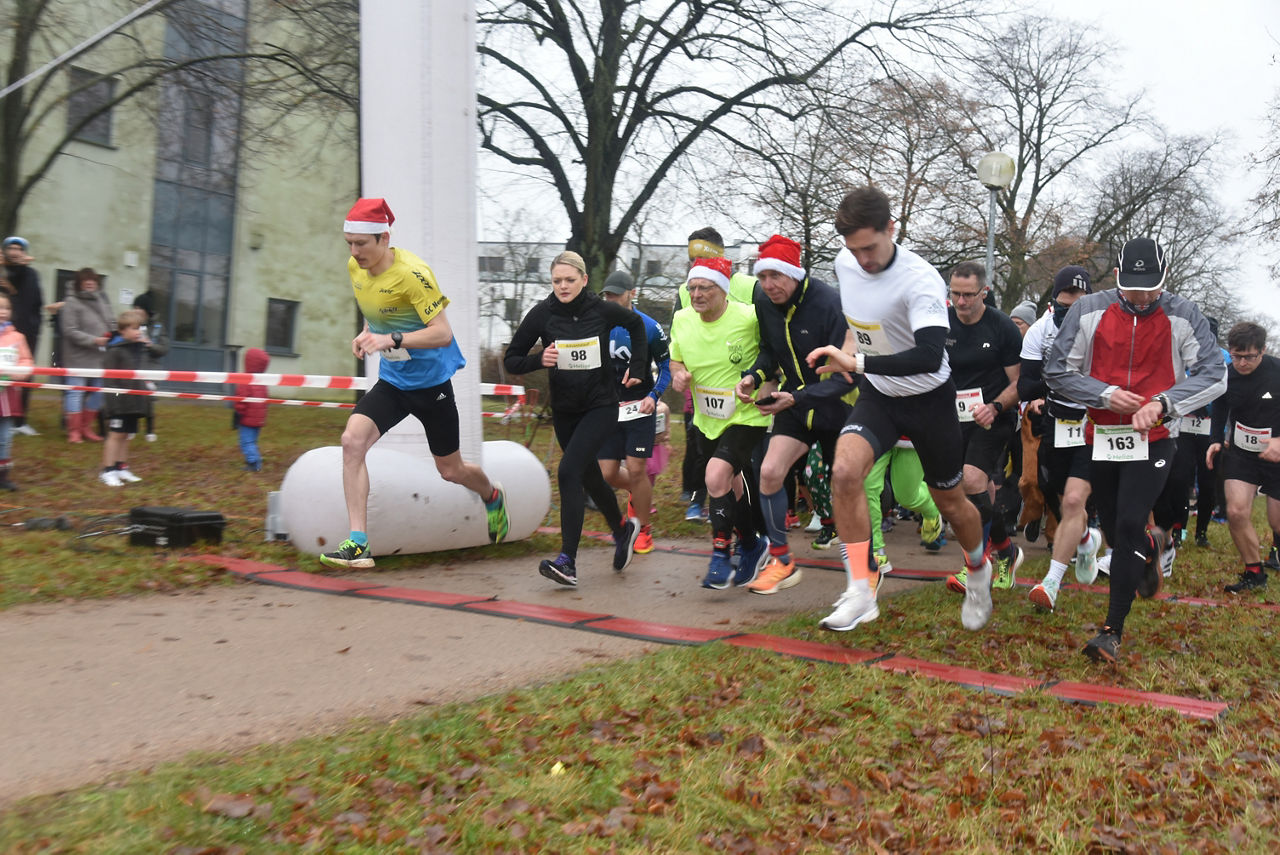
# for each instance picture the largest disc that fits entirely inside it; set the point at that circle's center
(716, 354)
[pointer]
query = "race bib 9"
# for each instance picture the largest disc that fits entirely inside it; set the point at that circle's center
(716, 403)
(581, 355)
(966, 400)
(1118, 444)
(1250, 439)
(1068, 433)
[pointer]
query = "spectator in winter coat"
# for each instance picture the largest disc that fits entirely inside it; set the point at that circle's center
(252, 415)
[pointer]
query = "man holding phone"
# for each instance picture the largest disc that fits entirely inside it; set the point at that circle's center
(797, 314)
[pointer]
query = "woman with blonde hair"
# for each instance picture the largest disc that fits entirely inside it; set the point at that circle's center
(572, 324)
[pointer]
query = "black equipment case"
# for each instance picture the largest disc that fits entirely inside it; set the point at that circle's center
(174, 527)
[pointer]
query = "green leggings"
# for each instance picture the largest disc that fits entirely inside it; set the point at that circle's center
(909, 490)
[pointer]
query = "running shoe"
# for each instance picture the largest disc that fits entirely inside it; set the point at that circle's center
(1218, 516)
(1087, 557)
(886, 524)
(1104, 564)
(644, 541)
(1044, 595)
(976, 609)
(1248, 582)
(958, 582)
(719, 571)
(561, 571)
(1103, 647)
(793, 521)
(1166, 559)
(751, 562)
(882, 562)
(25, 430)
(856, 605)
(1202, 540)
(1273, 559)
(815, 524)
(1149, 581)
(111, 478)
(825, 538)
(774, 577)
(694, 512)
(127, 477)
(498, 519)
(1006, 569)
(624, 544)
(348, 554)
(931, 533)
(1032, 531)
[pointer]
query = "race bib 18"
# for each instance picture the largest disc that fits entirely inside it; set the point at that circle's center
(1251, 439)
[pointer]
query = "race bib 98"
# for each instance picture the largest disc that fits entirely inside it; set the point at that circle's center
(581, 355)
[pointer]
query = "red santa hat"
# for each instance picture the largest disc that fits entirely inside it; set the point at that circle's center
(780, 254)
(717, 270)
(369, 217)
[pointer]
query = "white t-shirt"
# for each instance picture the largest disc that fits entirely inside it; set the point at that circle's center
(1036, 345)
(885, 309)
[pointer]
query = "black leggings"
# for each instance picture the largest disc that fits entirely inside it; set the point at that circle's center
(1125, 494)
(580, 436)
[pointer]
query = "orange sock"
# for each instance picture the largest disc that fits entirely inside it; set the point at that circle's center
(857, 561)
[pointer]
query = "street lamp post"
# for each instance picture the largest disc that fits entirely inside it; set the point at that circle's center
(995, 171)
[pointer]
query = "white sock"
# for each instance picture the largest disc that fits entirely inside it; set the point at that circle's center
(1056, 571)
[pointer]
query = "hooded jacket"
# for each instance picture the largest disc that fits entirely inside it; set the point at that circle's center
(13, 351)
(253, 414)
(1102, 347)
(131, 356)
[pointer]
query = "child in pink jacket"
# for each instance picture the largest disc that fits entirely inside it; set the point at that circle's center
(13, 352)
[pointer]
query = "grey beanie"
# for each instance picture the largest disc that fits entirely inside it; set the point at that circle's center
(1025, 312)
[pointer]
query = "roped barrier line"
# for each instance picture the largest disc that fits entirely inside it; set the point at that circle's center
(1003, 684)
(185, 396)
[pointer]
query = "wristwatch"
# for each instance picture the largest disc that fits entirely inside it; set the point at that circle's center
(396, 339)
(1163, 400)
(998, 407)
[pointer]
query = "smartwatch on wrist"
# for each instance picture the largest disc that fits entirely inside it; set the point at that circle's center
(998, 407)
(396, 339)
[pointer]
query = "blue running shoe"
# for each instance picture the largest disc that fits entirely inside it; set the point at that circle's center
(752, 562)
(719, 572)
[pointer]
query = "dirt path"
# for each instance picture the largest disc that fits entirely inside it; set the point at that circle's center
(92, 689)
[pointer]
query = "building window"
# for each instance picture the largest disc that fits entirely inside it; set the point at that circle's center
(197, 130)
(90, 95)
(492, 264)
(653, 267)
(282, 319)
(532, 264)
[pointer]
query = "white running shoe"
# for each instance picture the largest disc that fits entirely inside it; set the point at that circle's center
(976, 610)
(111, 478)
(26, 430)
(1104, 564)
(815, 524)
(1087, 557)
(882, 561)
(856, 605)
(127, 477)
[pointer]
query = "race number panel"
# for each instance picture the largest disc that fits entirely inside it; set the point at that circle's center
(966, 401)
(1195, 425)
(872, 339)
(1251, 439)
(716, 403)
(8, 356)
(1118, 444)
(581, 355)
(630, 411)
(1068, 433)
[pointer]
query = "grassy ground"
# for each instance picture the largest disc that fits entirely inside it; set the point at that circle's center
(709, 749)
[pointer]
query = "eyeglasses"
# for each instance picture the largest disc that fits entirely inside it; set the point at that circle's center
(1245, 357)
(964, 295)
(699, 289)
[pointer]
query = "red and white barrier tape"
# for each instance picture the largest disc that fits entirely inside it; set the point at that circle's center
(307, 381)
(188, 396)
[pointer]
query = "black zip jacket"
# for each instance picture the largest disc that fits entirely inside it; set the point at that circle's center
(812, 318)
(586, 316)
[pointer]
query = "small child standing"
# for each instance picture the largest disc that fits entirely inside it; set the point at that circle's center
(127, 349)
(13, 352)
(251, 416)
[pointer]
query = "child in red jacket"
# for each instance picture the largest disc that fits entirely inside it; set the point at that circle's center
(251, 415)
